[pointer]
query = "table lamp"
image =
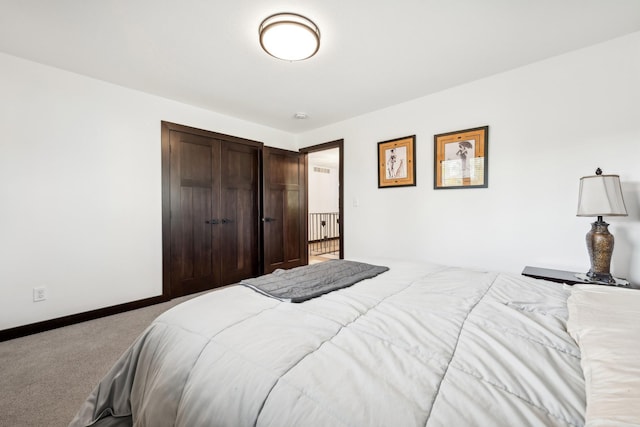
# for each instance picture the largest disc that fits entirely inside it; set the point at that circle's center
(600, 195)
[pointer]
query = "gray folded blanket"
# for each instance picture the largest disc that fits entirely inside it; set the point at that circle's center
(302, 283)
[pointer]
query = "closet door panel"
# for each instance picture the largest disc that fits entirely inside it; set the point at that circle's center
(194, 199)
(274, 229)
(211, 201)
(196, 257)
(239, 210)
(285, 217)
(293, 225)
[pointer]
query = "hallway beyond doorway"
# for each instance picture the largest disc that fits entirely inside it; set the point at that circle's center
(324, 250)
(325, 233)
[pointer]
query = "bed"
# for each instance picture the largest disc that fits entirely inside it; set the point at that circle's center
(418, 345)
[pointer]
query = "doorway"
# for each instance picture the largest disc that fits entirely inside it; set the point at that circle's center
(325, 239)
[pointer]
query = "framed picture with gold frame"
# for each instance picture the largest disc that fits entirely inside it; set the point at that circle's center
(461, 159)
(396, 162)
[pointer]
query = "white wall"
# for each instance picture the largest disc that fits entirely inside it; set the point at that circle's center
(80, 189)
(323, 189)
(549, 124)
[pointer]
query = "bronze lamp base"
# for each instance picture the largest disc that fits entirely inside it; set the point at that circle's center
(600, 247)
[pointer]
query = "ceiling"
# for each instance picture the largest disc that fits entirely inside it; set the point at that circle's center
(373, 53)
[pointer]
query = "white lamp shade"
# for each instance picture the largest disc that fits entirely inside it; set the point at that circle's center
(289, 36)
(601, 195)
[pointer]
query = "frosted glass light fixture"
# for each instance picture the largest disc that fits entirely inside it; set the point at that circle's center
(289, 36)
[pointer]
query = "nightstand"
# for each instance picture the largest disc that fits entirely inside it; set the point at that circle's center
(561, 276)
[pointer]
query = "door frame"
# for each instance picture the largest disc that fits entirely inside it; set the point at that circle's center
(165, 133)
(339, 144)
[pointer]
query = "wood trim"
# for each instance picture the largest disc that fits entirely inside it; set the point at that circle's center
(166, 207)
(339, 143)
(47, 325)
(209, 134)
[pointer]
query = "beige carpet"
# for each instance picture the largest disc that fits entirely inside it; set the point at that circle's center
(44, 378)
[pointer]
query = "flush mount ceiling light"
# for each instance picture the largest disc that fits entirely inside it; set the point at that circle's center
(289, 36)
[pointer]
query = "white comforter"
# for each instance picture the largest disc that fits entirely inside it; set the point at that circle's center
(419, 345)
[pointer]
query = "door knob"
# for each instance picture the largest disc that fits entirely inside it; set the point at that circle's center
(267, 219)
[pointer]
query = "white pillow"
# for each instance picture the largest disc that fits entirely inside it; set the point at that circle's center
(605, 322)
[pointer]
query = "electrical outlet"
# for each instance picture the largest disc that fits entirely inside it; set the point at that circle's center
(39, 294)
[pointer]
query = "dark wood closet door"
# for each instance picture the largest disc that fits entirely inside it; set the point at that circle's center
(284, 206)
(195, 194)
(239, 212)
